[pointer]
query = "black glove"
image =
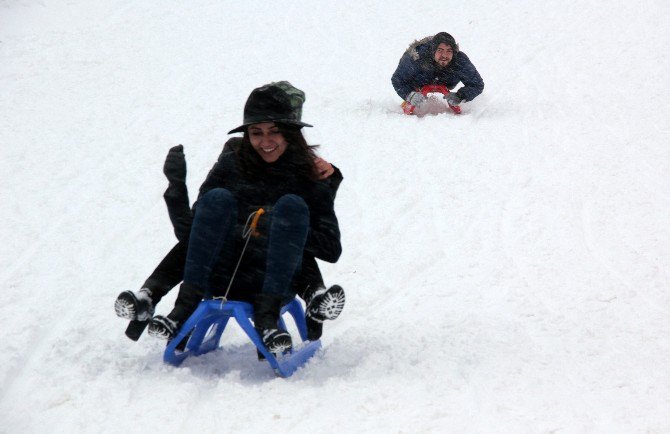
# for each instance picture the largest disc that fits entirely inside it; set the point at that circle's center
(453, 99)
(416, 98)
(175, 165)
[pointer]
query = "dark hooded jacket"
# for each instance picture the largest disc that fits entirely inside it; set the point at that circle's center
(417, 68)
(323, 240)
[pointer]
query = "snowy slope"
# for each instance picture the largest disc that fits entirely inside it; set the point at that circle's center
(507, 270)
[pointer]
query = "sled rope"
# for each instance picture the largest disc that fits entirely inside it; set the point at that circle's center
(250, 229)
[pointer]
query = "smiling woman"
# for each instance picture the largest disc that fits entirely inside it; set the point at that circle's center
(267, 140)
(271, 173)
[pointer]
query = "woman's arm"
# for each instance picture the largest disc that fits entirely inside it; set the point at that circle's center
(323, 239)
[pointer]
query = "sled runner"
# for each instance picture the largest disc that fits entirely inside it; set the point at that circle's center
(430, 88)
(208, 322)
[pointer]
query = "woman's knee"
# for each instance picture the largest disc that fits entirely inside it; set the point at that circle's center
(291, 204)
(217, 197)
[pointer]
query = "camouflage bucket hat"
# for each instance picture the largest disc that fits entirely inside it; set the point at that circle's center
(274, 102)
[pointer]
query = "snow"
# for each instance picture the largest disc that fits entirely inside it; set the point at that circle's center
(507, 270)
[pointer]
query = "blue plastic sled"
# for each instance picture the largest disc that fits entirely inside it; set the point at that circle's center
(209, 320)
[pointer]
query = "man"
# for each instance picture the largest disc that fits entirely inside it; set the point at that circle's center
(436, 60)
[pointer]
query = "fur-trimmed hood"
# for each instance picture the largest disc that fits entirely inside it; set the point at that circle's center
(423, 50)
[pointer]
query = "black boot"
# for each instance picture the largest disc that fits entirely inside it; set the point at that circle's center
(322, 304)
(130, 305)
(266, 316)
(314, 328)
(326, 303)
(162, 327)
(166, 327)
(135, 305)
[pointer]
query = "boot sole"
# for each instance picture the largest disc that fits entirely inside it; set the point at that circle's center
(281, 342)
(159, 329)
(129, 307)
(125, 306)
(332, 304)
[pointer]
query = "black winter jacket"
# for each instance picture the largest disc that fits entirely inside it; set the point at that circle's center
(323, 240)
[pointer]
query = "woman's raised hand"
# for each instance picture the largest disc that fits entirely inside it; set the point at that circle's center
(323, 168)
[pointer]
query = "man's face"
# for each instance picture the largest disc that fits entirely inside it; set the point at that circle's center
(443, 54)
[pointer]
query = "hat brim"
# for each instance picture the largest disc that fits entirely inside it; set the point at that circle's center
(243, 127)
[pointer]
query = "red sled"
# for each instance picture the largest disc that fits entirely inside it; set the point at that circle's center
(430, 88)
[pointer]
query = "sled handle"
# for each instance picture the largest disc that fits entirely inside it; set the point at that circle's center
(434, 88)
(254, 222)
(425, 90)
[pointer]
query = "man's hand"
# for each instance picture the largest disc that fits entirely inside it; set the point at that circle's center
(416, 98)
(453, 99)
(175, 165)
(323, 168)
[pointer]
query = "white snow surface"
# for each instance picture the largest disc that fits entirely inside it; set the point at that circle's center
(507, 270)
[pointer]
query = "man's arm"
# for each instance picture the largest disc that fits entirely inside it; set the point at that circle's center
(404, 76)
(176, 195)
(220, 173)
(473, 85)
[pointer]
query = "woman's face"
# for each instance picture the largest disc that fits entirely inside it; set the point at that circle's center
(266, 139)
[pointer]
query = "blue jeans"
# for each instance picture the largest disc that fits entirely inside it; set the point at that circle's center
(213, 240)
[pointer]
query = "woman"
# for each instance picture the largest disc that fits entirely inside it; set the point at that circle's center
(270, 167)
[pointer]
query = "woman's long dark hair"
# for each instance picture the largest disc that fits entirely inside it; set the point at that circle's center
(298, 157)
